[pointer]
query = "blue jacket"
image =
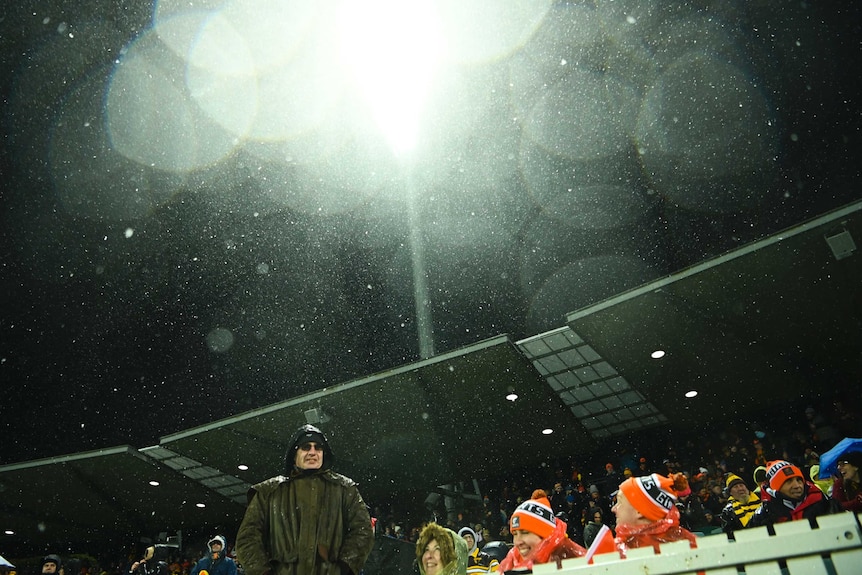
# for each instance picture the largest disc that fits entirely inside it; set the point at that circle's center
(218, 565)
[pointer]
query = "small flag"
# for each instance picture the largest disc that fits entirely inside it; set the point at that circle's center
(603, 543)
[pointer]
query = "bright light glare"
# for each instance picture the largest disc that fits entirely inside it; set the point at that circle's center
(154, 483)
(512, 396)
(657, 354)
(242, 467)
(547, 431)
(691, 394)
(392, 48)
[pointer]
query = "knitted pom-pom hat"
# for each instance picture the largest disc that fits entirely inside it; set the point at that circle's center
(534, 515)
(654, 495)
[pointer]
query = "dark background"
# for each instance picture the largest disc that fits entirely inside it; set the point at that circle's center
(113, 319)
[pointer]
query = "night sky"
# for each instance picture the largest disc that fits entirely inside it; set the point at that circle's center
(200, 215)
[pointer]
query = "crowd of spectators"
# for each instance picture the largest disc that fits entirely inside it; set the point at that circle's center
(581, 490)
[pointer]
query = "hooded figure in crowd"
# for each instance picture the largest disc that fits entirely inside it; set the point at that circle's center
(477, 561)
(539, 536)
(309, 521)
(647, 514)
(441, 551)
(51, 564)
(786, 496)
(215, 562)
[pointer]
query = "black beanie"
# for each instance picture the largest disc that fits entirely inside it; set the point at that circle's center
(853, 457)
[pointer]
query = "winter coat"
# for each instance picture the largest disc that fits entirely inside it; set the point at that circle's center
(591, 529)
(479, 562)
(221, 566)
(737, 514)
(776, 508)
(848, 494)
(311, 523)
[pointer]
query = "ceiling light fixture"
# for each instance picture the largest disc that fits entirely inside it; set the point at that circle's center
(691, 394)
(602, 400)
(242, 467)
(547, 431)
(657, 354)
(316, 415)
(154, 483)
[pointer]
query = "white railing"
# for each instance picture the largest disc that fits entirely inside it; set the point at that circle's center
(834, 547)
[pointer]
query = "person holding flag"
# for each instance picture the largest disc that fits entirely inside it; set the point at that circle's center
(646, 515)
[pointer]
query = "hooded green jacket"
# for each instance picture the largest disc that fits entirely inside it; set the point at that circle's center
(456, 567)
(307, 524)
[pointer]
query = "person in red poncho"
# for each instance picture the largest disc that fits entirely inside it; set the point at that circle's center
(539, 537)
(646, 514)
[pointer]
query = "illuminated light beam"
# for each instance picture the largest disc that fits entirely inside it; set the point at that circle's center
(392, 50)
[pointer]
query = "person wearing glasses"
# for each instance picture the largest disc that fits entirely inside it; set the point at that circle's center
(309, 521)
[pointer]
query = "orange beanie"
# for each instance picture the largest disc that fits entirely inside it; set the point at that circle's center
(653, 495)
(777, 472)
(534, 515)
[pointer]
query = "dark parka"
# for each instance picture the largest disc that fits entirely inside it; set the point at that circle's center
(307, 523)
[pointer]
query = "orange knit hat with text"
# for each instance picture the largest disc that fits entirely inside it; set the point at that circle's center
(534, 515)
(653, 495)
(777, 472)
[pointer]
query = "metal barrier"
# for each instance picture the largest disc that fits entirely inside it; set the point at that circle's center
(833, 547)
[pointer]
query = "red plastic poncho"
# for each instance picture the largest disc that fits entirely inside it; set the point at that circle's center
(661, 531)
(555, 547)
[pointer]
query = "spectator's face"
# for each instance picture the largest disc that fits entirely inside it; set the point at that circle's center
(625, 511)
(431, 558)
(525, 541)
(470, 541)
(49, 567)
(739, 491)
(848, 471)
(597, 518)
(309, 456)
(793, 488)
(215, 548)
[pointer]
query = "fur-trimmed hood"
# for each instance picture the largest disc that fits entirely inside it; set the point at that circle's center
(453, 549)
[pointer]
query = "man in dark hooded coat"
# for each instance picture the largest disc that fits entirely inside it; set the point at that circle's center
(310, 521)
